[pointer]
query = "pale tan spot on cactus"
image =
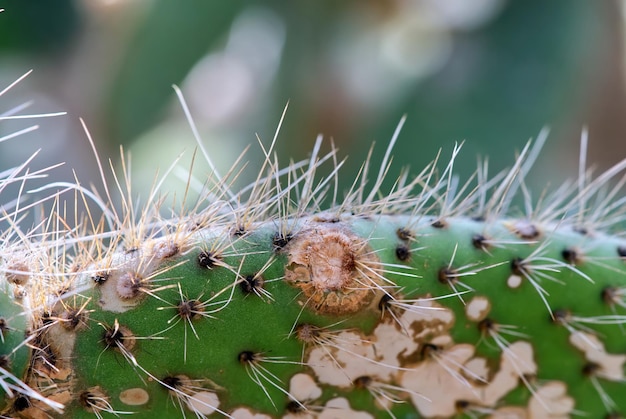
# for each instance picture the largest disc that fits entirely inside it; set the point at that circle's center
(346, 356)
(163, 248)
(61, 341)
(171, 245)
(510, 412)
(343, 355)
(51, 362)
(122, 280)
(301, 415)
(59, 373)
(134, 396)
(434, 380)
(339, 364)
(611, 366)
(427, 319)
(440, 378)
(127, 279)
(243, 413)
(392, 346)
(525, 229)
(123, 290)
(516, 361)
(551, 401)
(477, 309)
(203, 402)
(444, 341)
(303, 387)
(476, 369)
(334, 268)
(110, 298)
(339, 408)
(514, 281)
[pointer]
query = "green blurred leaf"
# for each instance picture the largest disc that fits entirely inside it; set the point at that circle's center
(171, 39)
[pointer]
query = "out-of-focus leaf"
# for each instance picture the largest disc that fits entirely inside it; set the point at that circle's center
(171, 39)
(503, 82)
(527, 69)
(40, 26)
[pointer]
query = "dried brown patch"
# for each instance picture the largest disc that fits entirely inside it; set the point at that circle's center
(334, 268)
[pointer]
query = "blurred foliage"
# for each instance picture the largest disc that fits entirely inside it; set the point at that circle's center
(170, 40)
(39, 26)
(503, 81)
(490, 72)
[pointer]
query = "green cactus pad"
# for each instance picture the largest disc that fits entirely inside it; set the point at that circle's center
(419, 304)
(13, 349)
(284, 301)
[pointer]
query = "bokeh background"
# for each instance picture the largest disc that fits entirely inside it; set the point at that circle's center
(491, 73)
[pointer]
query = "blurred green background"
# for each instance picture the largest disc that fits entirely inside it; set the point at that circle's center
(490, 72)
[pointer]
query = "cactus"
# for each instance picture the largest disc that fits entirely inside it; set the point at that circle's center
(17, 340)
(283, 300)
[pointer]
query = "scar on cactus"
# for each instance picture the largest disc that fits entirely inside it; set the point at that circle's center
(336, 270)
(431, 299)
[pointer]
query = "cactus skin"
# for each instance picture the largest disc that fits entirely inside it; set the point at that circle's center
(423, 303)
(267, 322)
(451, 307)
(13, 353)
(17, 336)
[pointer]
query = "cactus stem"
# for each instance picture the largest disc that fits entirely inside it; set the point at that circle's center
(417, 301)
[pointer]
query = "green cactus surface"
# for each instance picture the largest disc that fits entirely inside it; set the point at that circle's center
(13, 350)
(399, 315)
(292, 299)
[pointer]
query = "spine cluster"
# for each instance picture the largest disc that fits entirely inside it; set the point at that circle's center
(292, 299)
